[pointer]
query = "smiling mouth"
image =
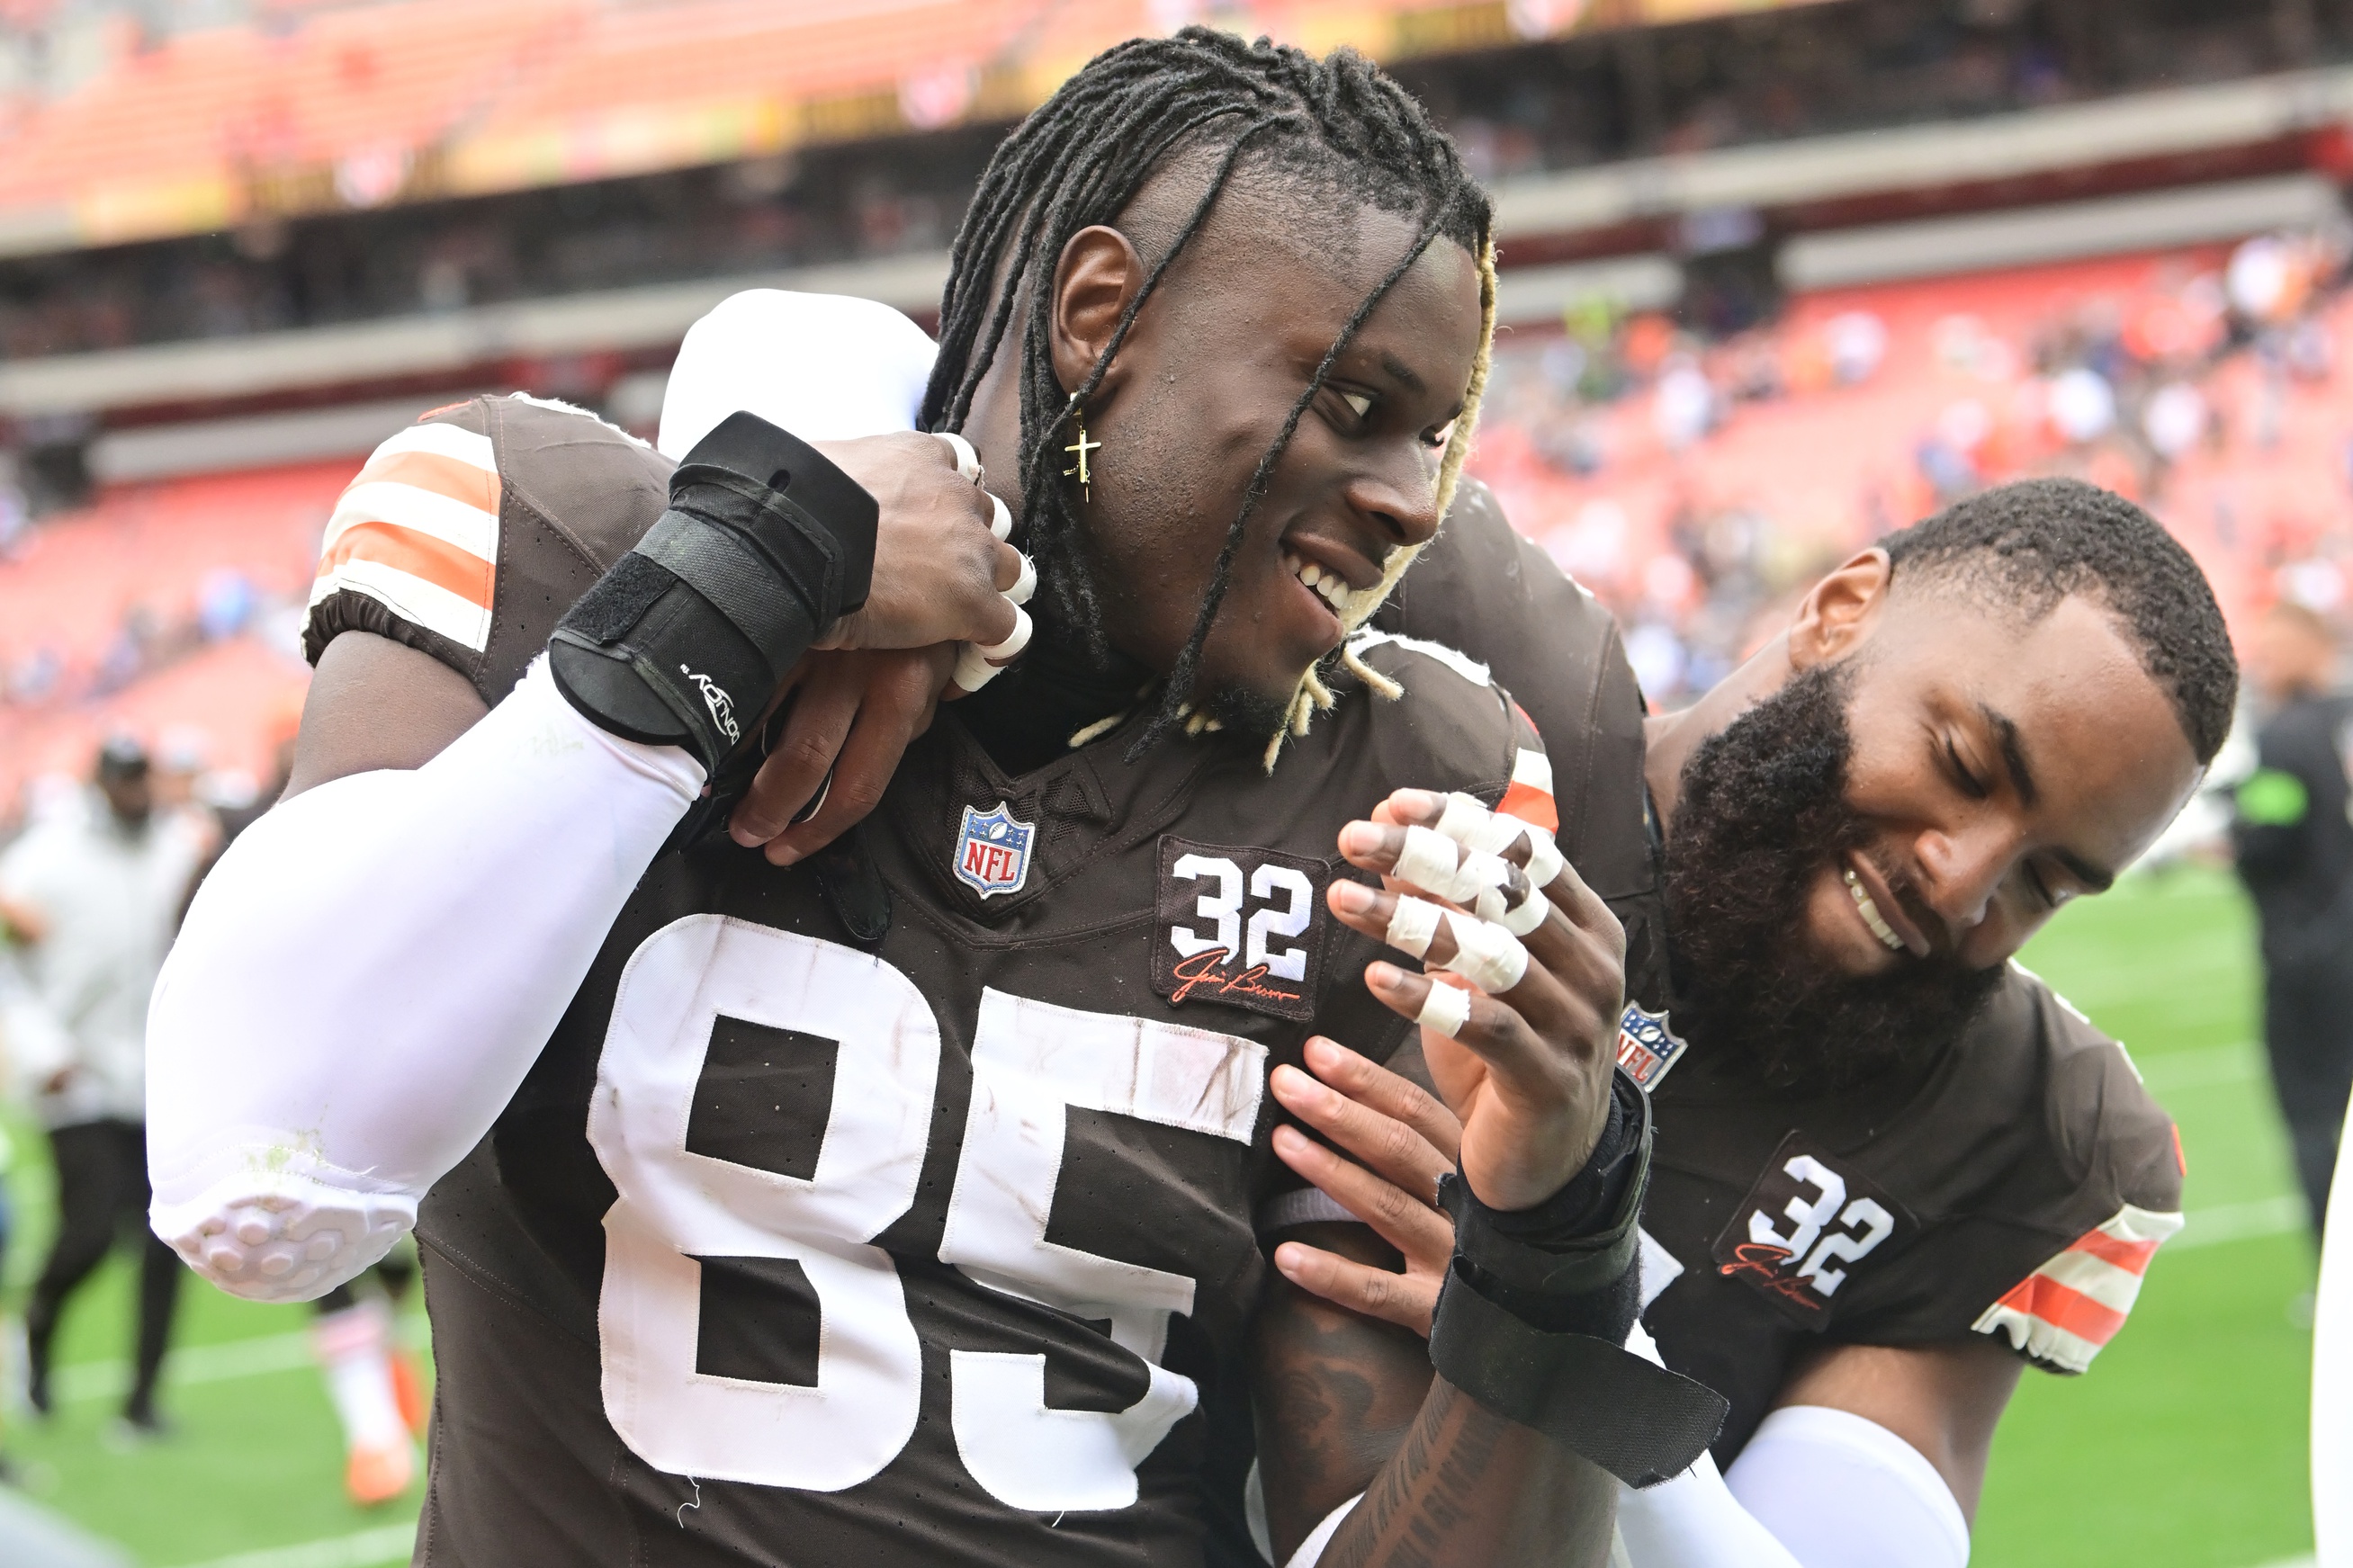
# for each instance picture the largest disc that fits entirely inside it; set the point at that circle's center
(1871, 915)
(1329, 586)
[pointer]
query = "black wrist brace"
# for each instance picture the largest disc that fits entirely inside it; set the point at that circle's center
(765, 544)
(1533, 1318)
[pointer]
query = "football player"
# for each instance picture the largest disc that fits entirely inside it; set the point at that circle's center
(899, 1207)
(2039, 1238)
(1893, 1167)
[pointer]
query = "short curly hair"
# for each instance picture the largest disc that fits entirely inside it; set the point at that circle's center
(2028, 545)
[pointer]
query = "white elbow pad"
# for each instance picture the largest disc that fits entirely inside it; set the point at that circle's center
(368, 973)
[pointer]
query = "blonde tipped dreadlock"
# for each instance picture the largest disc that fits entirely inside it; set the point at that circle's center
(1313, 695)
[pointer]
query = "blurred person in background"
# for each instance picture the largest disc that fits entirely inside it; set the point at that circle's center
(373, 1383)
(93, 898)
(2296, 853)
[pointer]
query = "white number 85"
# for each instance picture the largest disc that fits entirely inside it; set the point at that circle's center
(1030, 1062)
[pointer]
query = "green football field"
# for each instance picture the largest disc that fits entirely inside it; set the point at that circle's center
(2184, 1447)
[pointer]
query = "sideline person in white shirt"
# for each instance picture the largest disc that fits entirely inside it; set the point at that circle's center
(92, 898)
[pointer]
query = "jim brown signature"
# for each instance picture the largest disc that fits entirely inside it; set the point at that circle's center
(1762, 1263)
(1202, 973)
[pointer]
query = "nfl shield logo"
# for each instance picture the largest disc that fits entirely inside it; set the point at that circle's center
(992, 852)
(1646, 1047)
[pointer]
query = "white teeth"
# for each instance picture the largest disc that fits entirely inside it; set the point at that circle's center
(1879, 928)
(1329, 585)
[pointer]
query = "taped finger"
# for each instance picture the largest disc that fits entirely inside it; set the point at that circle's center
(967, 461)
(1486, 954)
(1485, 883)
(973, 670)
(1446, 1009)
(1015, 640)
(1026, 585)
(1000, 521)
(1412, 924)
(1474, 826)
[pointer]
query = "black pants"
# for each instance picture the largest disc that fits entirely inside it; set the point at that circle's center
(102, 1194)
(2309, 1032)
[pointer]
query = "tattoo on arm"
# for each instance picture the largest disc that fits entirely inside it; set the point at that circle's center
(1347, 1405)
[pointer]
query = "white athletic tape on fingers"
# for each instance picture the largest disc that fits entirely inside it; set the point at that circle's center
(1015, 641)
(1488, 885)
(978, 663)
(1544, 859)
(1521, 918)
(1446, 1009)
(1428, 862)
(1000, 521)
(967, 461)
(1473, 827)
(1026, 585)
(973, 670)
(1411, 925)
(1486, 954)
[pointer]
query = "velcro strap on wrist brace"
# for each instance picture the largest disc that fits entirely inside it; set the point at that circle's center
(1639, 1422)
(1537, 1302)
(765, 544)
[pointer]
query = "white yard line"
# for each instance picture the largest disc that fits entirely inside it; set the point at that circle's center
(368, 1548)
(255, 1357)
(2239, 1222)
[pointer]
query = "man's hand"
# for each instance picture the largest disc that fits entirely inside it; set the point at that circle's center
(1407, 1141)
(1528, 1073)
(940, 571)
(852, 715)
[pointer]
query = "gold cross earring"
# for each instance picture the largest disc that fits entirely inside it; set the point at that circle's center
(1080, 448)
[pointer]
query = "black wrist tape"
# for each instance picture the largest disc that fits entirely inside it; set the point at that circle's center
(1638, 1421)
(765, 544)
(1565, 1266)
(1537, 1304)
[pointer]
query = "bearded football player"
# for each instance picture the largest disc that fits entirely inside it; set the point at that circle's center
(1892, 1167)
(1873, 1453)
(898, 1206)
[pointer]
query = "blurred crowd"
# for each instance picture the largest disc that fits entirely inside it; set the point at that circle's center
(1818, 69)
(793, 210)
(1693, 483)
(1584, 99)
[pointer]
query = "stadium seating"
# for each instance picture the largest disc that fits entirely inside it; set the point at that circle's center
(1816, 470)
(1820, 468)
(157, 606)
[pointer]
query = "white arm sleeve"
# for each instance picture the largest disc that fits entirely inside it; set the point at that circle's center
(876, 363)
(368, 973)
(1841, 1491)
(1693, 1520)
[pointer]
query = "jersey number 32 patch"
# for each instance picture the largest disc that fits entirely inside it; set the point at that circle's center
(1237, 925)
(1803, 1225)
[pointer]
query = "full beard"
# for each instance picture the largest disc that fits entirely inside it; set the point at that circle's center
(1763, 816)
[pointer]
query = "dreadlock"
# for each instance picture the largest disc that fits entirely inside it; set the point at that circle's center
(1081, 160)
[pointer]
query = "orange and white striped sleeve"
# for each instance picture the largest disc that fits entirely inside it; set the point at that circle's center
(1529, 795)
(2065, 1311)
(415, 532)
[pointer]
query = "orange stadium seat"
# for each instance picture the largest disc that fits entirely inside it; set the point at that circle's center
(146, 552)
(1829, 467)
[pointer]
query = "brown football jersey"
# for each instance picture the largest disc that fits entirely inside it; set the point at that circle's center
(799, 1248)
(2017, 1190)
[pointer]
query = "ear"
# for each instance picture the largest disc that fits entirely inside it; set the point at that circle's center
(1840, 611)
(1099, 273)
